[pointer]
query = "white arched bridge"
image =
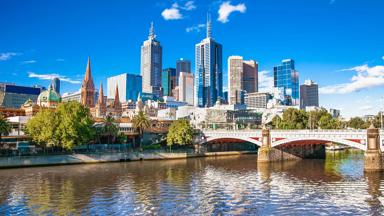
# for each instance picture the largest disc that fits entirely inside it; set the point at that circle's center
(353, 138)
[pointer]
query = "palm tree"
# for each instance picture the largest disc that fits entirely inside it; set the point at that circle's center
(110, 129)
(5, 127)
(141, 122)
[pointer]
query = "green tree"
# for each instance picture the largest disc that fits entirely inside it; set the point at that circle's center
(327, 122)
(75, 124)
(141, 122)
(276, 122)
(42, 128)
(294, 119)
(5, 127)
(314, 118)
(180, 132)
(110, 129)
(357, 123)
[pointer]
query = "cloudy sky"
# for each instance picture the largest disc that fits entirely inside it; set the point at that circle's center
(337, 43)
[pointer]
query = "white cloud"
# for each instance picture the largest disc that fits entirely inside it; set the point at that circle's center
(265, 81)
(29, 62)
(8, 55)
(226, 9)
(382, 57)
(172, 13)
(51, 76)
(366, 77)
(196, 28)
(189, 5)
(366, 107)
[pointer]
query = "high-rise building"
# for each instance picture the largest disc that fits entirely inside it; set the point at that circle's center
(242, 78)
(55, 83)
(130, 85)
(88, 88)
(168, 81)
(208, 71)
(13, 96)
(286, 77)
(257, 100)
(186, 87)
(182, 65)
(151, 64)
(309, 94)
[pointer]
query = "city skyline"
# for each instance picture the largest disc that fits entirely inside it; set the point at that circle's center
(348, 68)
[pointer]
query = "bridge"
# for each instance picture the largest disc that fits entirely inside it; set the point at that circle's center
(369, 140)
(352, 138)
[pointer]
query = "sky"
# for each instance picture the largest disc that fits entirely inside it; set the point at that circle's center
(337, 43)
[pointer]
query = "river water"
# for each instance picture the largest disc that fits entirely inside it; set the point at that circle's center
(234, 185)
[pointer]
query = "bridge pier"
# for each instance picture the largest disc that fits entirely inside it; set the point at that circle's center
(373, 161)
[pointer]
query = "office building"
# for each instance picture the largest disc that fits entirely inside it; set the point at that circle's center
(242, 78)
(55, 83)
(286, 77)
(168, 81)
(13, 96)
(130, 85)
(335, 113)
(151, 64)
(257, 100)
(309, 94)
(185, 87)
(208, 71)
(182, 66)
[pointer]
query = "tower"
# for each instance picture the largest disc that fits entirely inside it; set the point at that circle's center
(116, 106)
(88, 88)
(101, 106)
(208, 74)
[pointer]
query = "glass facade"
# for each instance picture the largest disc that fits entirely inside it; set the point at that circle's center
(130, 85)
(168, 81)
(286, 77)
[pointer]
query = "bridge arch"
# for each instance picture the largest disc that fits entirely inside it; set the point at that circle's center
(246, 139)
(340, 141)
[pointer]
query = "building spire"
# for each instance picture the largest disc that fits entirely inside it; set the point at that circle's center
(101, 94)
(209, 25)
(152, 32)
(88, 75)
(117, 100)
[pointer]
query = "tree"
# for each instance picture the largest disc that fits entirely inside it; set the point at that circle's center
(5, 127)
(75, 124)
(141, 122)
(41, 128)
(110, 129)
(276, 122)
(180, 132)
(294, 119)
(327, 122)
(315, 116)
(357, 123)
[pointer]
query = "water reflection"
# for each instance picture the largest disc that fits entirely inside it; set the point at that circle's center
(221, 185)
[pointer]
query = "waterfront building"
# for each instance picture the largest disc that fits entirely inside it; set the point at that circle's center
(71, 96)
(257, 100)
(101, 105)
(242, 78)
(286, 77)
(168, 81)
(130, 85)
(55, 83)
(182, 65)
(88, 88)
(13, 96)
(208, 71)
(151, 64)
(115, 108)
(185, 87)
(309, 94)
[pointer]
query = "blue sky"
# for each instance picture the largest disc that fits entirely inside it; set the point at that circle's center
(337, 43)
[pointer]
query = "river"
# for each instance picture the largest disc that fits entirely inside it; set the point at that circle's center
(234, 185)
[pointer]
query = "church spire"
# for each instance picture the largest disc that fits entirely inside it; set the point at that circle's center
(88, 75)
(88, 88)
(209, 26)
(100, 100)
(116, 102)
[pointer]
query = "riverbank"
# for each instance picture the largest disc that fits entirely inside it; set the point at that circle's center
(52, 160)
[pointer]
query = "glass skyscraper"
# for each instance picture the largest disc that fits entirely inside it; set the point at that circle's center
(286, 77)
(168, 81)
(129, 86)
(182, 65)
(208, 71)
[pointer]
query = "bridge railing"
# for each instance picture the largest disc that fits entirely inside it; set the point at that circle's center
(291, 131)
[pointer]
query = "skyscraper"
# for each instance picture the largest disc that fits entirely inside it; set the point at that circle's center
(309, 94)
(208, 71)
(168, 81)
(242, 78)
(129, 86)
(151, 64)
(182, 66)
(286, 77)
(88, 88)
(186, 87)
(55, 83)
